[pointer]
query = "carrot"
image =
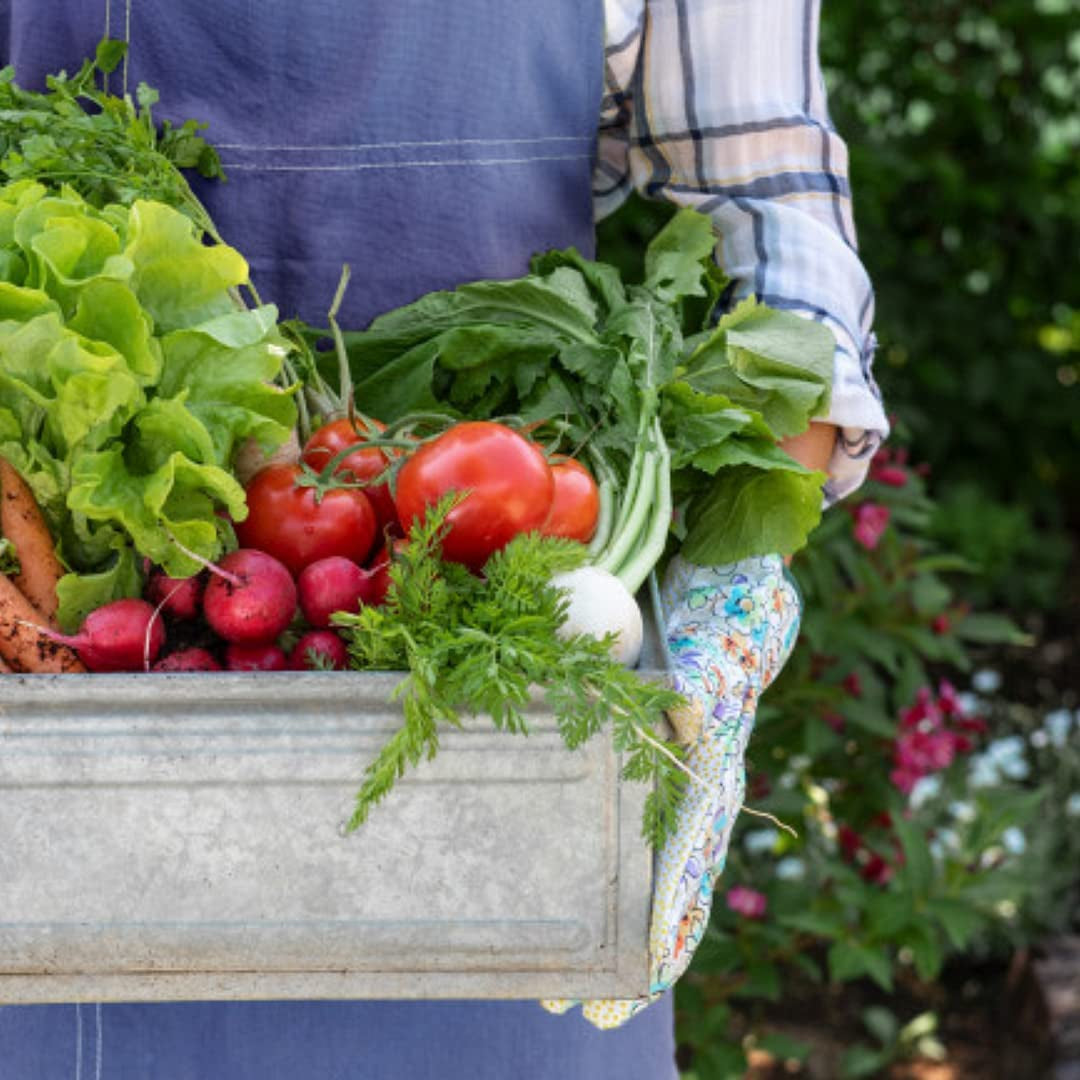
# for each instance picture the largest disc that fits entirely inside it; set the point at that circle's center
(21, 521)
(21, 646)
(4, 669)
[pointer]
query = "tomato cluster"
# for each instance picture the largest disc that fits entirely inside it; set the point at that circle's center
(505, 480)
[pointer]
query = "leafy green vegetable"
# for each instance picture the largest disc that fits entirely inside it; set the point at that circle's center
(107, 149)
(129, 373)
(481, 645)
(669, 407)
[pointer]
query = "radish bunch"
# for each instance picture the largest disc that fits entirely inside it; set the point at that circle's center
(247, 613)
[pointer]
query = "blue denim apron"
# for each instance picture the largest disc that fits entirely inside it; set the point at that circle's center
(426, 144)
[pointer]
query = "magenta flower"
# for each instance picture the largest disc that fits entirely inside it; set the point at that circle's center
(747, 902)
(890, 475)
(871, 520)
(926, 744)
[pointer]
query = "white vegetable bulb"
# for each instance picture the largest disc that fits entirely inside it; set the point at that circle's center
(599, 604)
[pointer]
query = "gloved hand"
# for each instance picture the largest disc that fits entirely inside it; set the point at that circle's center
(729, 631)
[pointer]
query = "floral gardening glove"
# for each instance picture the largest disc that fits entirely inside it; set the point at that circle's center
(729, 630)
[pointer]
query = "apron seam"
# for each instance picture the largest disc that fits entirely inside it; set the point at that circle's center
(99, 1054)
(78, 1041)
(363, 166)
(353, 147)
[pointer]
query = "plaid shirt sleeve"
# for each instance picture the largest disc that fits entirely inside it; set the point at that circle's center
(720, 105)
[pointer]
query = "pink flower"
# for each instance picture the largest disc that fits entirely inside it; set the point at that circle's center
(834, 720)
(850, 842)
(876, 870)
(926, 743)
(890, 475)
(852, 684)
(871, 520)
(748, 902)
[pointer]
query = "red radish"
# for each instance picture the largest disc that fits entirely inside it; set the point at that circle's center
(125, 635)
(380, 572)
(319, 650)
(180, 598)
(193, 659)
(251, 599)
(333, 584)
(267, 657)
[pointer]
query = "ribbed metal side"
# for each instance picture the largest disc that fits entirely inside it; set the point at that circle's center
(180, 836)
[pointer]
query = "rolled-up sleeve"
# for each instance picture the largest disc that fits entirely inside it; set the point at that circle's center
(720, 105)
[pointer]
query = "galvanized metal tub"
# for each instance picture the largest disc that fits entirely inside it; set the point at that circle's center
(178, 837)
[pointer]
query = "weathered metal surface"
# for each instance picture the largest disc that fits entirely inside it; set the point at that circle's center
(181, 837)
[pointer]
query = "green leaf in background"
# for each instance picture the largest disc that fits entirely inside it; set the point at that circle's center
(926, 950)
(849, 960)
(828, 925)
(784, 1046)
(860, 1060)
(958, 919)
(750, 512)
(989, 629)
(888, 913)
(881, 1023)
(918, 868)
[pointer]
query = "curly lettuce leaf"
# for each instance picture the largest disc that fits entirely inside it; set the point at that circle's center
(229, 389)
(177, 501)
(178, 279)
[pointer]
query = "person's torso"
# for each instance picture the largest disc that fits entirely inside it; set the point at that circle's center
(424, 143)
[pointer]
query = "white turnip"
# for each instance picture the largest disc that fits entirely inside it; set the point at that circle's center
(600, 604)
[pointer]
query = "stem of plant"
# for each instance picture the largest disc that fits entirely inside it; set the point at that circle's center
(194, 556)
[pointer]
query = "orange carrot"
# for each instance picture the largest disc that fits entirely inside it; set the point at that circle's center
(4, 669)
(21, 646)
(22, 523)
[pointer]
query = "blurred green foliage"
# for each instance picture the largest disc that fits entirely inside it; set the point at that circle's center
(962, 119)
(963, 125)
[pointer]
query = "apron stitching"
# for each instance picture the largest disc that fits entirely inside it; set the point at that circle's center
(127, 39)
(98, 1056)
(404, 164)
(78, 1042)
(400, 145)
(107, 34)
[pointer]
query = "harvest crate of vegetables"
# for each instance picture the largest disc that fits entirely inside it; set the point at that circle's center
(247, 563)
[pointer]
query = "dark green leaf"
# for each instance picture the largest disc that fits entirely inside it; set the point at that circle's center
(918, 867)
(746, 512)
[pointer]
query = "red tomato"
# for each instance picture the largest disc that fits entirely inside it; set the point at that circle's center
(509, 485)
(362, 464)
(288, 522)
(576, 506)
